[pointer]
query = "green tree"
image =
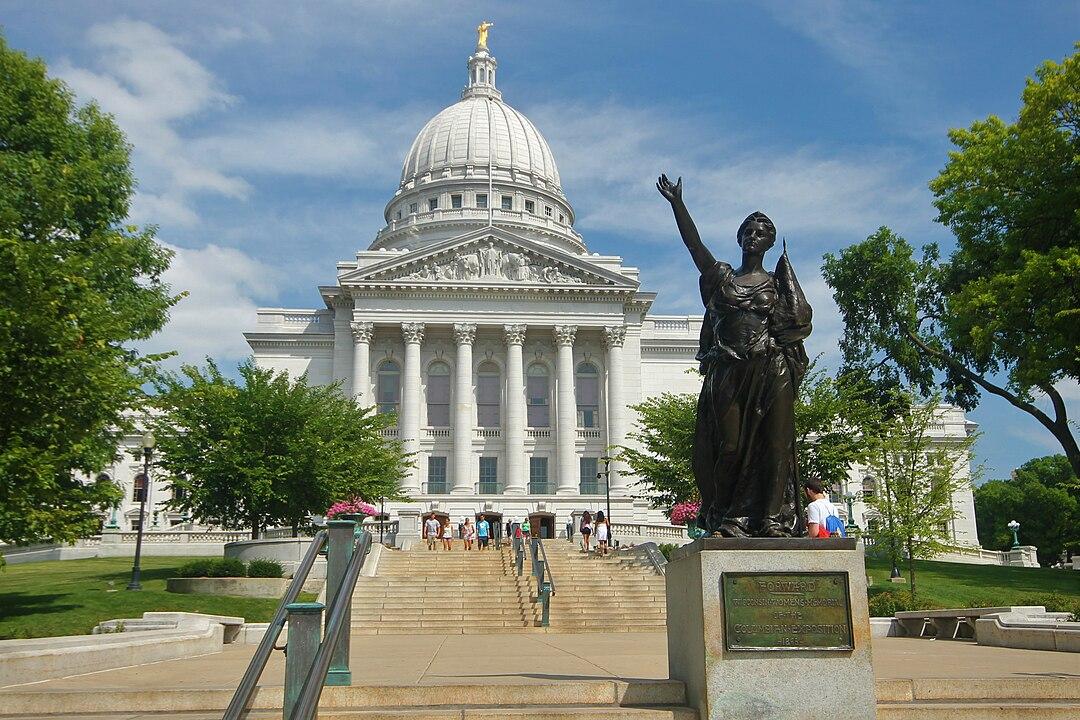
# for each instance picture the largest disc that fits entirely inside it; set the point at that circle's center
(1002, 314)
(272, 449)
(664, 432)
(917, 478)
(1039, 496)
(77, 289)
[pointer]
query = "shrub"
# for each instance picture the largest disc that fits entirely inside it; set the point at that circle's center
(195, 568)
(666, 549)
(227, 567)
(1053, 602)
(263, 568)
(889, 602)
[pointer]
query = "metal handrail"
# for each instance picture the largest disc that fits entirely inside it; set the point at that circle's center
(546, 568)
(255, 668)
(308, 699)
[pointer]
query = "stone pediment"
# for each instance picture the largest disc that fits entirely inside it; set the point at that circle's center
(489, 257)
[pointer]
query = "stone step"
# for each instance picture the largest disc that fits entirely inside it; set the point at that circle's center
(440, 617)
(436, 623)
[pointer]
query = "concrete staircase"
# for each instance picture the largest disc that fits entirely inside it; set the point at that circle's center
(442, 592)
(594, 594)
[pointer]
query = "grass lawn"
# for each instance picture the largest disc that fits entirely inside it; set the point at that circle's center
(69, 597)
(950, 585)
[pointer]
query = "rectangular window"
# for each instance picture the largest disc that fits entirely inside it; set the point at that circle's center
(530, 206)
(547, 210)
(487, 399)
(398, 216)
(138, 493)
(481, 201)
(436, 474)
(455, 201)
(507, 202)
(433, 204)
(438, 400)
(562, 218)
(538, 411)
(588, 397)
(178, 493)
(489, 476)
(414, 208)
(135, 525)
(590, 484)
(538, 476)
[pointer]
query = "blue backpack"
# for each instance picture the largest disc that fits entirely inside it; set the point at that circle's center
(834, 525)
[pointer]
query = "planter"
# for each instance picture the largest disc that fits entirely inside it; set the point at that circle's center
(243, 587)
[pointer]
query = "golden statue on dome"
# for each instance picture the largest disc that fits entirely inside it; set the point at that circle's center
(482, 33)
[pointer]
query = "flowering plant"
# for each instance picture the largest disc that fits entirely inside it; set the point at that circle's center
(684, 512)
(355, 506)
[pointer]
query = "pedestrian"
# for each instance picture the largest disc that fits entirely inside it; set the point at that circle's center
(448, 536)
(603, 532)
(526, 528)
(822, 517)
(570, 529)
(432, 531)
(483, 532)
(468, 533)
(517, 531)
(586, 530)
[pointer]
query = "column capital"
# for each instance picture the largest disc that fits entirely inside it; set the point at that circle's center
(615, 336)
(564, 335)
(515, 334)
(464, 333)
(412, 332)
(362, 332)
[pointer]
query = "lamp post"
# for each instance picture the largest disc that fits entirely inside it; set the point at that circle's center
(607, 494)
(1015, 527)
(850, 498)
(148, 450)
(382, 518)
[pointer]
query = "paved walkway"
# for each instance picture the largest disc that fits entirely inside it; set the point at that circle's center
(550, 657)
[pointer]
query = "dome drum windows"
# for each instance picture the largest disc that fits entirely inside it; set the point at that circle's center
(388, 387)
(530, 207)
(482, 201)
(433, 204)
(507, 202)
(414, 208)
(455, 202)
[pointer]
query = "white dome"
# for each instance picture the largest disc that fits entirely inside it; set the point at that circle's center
(475, 132)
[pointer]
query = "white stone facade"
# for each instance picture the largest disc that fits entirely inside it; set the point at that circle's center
(510, 353)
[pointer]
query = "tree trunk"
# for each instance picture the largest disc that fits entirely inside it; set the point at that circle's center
(296, 528)
(255, 526)
(911, 571)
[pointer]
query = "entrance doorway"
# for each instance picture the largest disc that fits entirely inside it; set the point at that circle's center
(495, 520)
(442, 517)
(542, 524)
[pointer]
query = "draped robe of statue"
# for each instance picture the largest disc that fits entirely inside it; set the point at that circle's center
(752, 356)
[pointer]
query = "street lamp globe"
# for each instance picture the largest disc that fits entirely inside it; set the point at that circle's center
(1015, 527)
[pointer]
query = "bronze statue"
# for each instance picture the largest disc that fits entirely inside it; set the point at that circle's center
(752, 356)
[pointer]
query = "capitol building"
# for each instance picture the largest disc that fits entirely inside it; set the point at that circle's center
(509, 351)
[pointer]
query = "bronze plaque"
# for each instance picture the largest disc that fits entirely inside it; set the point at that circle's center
(786, 611)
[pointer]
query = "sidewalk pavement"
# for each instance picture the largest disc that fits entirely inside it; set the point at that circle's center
(550, 657)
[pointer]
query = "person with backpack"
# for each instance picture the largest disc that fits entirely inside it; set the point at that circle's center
(822, 517)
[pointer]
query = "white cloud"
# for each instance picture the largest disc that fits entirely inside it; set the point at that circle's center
(224, 289)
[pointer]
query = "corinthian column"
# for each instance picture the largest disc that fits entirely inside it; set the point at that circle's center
(566, 407)
(464, 334)
(343, 346)
(616, 405)
(362, 333)
(515, 410)
(409, 420)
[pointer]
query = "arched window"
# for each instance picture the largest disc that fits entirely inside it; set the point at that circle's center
(587, 388)
(487, 394)
(438, 395)
(538, 390)
(139, 488)
(388, 387)
(869, 487)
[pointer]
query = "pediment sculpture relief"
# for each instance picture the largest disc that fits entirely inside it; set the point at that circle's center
(491, 262)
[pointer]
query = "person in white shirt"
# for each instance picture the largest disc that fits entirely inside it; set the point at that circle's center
(431, 530)
(818, 510)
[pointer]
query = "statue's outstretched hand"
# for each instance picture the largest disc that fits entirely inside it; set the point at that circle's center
(671, 191)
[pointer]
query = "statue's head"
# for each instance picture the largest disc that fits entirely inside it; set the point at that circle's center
(757, 233)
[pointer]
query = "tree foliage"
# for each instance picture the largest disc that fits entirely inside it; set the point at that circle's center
(270, 450)
(1002, 313)
(77, 287)
(664, 439)
(916, 479)
(1042, 496)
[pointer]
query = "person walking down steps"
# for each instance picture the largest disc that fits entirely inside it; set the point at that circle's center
(432, 531)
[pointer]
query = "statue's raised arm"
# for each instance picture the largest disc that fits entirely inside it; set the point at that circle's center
(703, 259)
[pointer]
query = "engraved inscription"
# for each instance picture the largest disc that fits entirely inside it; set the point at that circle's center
(786, 611)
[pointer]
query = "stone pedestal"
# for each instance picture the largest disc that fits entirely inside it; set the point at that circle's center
(726, 680)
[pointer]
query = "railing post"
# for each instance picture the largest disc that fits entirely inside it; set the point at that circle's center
(342, 540)
(305, 622)
(545, 607)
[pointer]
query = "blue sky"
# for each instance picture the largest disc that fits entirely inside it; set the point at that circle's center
(268, 135)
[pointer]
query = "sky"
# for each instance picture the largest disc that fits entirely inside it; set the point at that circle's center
(269, 135)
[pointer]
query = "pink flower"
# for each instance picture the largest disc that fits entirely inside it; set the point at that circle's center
(684, 511)
(355, 506)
